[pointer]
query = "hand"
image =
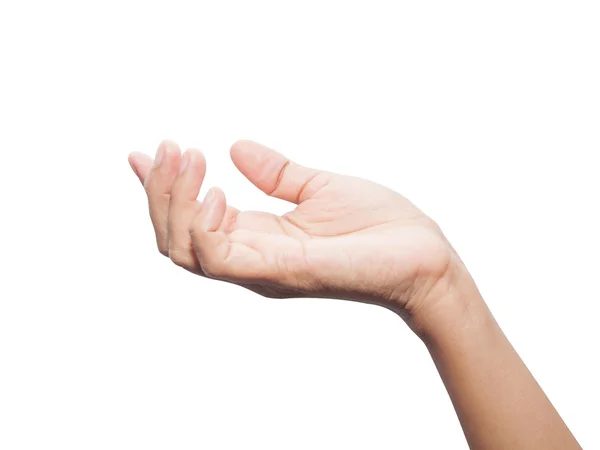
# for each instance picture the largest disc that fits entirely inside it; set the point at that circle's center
(353, 239)
(347, 237)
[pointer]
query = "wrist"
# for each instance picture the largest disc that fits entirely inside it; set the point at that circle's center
(449, 303)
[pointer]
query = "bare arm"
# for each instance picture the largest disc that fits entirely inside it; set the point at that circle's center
(497, 400)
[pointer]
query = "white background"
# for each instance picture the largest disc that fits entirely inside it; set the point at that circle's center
(485, 114)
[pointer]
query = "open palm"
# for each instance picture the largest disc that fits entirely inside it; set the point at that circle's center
(346, 238)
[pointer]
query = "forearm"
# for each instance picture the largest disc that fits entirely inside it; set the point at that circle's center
(497, 400)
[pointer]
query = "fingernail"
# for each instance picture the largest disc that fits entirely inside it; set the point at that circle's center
(211, 219)
(160, 153)
(133, 165)
(185, 161)
(210, 195)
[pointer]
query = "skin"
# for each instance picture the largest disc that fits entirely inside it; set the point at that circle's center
(349, 238)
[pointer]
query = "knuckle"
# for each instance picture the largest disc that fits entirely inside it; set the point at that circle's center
(279, 178)
(211, 268)
(178, 257)
(194, 230)
(161, 245)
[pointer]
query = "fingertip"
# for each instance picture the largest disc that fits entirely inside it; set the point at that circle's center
(212, 211)
(168, 144)
(140, 164)
(131, 158)
(245, 153)
(167, 154)
(240, 146)
(219, 195)
(192, 169)
(134, 156)
(195, 151)
(216, 199)
(197, 158)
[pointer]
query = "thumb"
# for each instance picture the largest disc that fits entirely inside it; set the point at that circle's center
(274, 174)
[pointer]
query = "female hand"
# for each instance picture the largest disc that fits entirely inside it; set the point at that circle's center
(347, 237)
(353, 239)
